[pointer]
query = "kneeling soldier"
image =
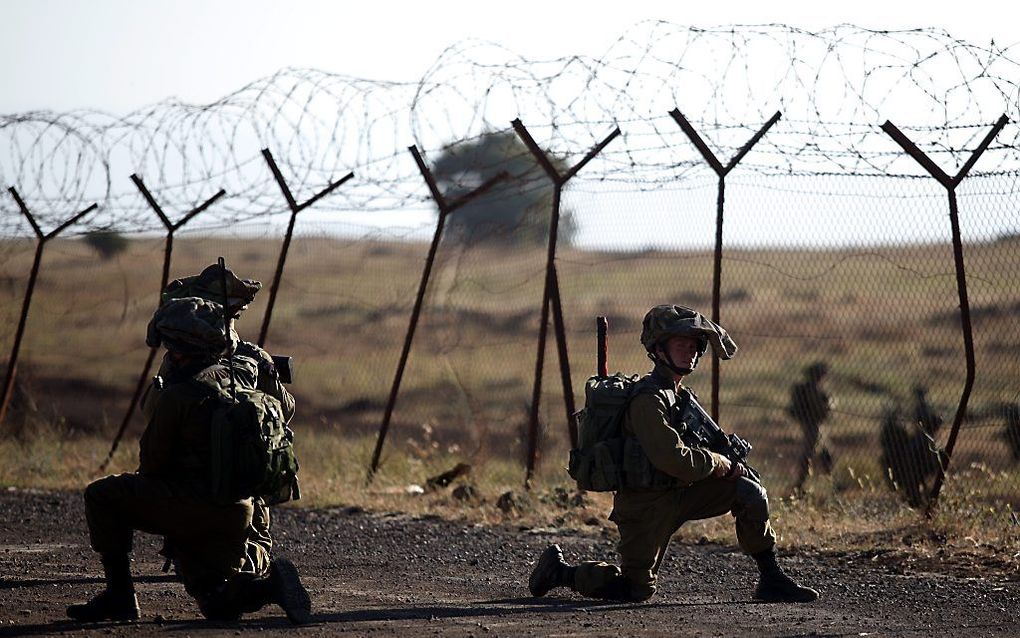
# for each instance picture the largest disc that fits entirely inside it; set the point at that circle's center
(173, 495)
(666, 482)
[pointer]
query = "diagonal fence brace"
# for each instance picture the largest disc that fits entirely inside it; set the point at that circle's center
(551, 296)
(41, 240)
(721, 171)
(445, 208)
(295, 208)
(950, 184)
(171, 228)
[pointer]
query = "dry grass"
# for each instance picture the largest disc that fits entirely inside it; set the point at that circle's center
(882, 317)
(967, 535)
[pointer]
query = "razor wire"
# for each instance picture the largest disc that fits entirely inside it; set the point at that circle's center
(834, 87)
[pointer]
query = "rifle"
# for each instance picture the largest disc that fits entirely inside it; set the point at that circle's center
(697, 429)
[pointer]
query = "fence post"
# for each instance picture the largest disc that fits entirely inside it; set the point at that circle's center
(295, 208)
(164, 279)
(950, 184)
(41, 239)
(721, 171)
(445, 208)
(551, 296)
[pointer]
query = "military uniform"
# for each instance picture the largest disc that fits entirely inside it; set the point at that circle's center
(253, 368)
(665, 483)
(220, 549)
(809, 407)
(648, 517)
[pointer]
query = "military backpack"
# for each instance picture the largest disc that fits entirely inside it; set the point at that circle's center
(597, 461)
(252, 449)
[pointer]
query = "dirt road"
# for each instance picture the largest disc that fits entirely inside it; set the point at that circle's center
(379, 574)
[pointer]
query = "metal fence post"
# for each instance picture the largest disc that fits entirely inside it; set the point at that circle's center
(164, 279)
(445, 208)
(295, 208)
(950, 184)
(551, 296)
(41, 240)
(721, 171)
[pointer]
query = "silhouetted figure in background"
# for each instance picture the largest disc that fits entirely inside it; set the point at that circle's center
(910, 455)
(809, 406)
(1012, 432)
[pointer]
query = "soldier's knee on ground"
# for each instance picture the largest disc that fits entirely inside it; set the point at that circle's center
(602, 580)
(227, 600)
(752, 501)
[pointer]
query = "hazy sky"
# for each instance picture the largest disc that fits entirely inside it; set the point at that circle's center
(118, 55)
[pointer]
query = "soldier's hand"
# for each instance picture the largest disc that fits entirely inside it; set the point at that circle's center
(722, 468)
(738, 472)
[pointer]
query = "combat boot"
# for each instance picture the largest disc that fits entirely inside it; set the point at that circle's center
(117, 601)
(288, 592)
(778, 587)
(550, 571)
(106, 605)
(775, 586)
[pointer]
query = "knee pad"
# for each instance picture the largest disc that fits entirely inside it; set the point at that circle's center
(752, 499)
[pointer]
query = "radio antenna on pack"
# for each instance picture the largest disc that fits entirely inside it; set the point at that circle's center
(226, 329)
(602, 354)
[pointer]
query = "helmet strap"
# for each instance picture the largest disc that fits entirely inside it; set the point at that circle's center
(668, 362)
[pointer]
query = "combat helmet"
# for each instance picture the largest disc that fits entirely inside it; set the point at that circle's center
(191, 326)
(209, 286)
(663, 322)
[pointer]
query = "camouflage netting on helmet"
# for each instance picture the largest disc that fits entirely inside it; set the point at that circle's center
(208, 285)
(190, 325)
(663, 322)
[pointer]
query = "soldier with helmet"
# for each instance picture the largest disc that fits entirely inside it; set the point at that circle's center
(667, 482)
(172, 493)
(255, 369)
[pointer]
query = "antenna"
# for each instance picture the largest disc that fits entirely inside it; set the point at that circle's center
(226, 329)
(602, 337)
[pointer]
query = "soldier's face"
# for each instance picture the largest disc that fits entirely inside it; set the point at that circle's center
(682, 351)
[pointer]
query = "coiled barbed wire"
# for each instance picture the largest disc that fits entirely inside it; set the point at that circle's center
(834, 88)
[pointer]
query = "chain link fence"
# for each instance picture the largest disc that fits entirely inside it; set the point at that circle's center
(836, 246)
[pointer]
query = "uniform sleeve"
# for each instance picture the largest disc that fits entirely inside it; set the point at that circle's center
(162, 437)
(648, 419)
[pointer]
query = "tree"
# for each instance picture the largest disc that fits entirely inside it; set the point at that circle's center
(108, 243)
(515, 210)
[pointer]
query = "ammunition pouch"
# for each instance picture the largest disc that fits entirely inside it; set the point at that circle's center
(638, 471)
(617, 463)
(598, 468)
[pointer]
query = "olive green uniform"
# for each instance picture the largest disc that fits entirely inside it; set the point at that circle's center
(253, 368)
(648, 517)
(210, 544)
(810, 406)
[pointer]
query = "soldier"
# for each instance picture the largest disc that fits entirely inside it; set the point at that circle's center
(170, 494)
(677, 483)
(1012, 431)
(256, 370)
(911, 457)
(809, 406)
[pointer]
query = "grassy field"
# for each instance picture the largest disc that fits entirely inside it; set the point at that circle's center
(884, 318)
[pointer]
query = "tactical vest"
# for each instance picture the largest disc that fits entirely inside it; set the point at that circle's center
(607, 458)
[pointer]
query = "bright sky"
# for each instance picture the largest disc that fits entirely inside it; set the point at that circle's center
(118, 55)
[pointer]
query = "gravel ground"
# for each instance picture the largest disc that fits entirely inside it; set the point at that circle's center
(392, 574)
